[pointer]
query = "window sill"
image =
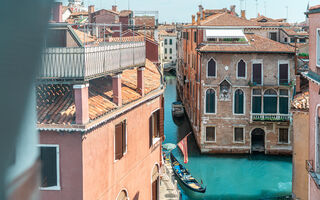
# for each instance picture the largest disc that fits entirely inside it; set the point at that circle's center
(238, 142)
(283, 143)
(51, 188)
(210, 142)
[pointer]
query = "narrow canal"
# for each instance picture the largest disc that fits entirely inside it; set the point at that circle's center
(226, 176)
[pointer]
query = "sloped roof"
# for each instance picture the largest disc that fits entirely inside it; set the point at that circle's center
(292, 32)
(255, 44)
(226, 19)
(55, 103)
(301, 101)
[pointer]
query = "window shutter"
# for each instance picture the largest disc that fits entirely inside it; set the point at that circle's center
(124, 137)
(150, 132)
(283, 73)
(161, 128)
(118, 139)
(283, 105)
(256, 104)
(256, 73)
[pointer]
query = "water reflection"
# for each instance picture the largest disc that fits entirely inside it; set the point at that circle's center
(227, 176)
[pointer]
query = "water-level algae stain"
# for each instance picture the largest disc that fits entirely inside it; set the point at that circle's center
(227, 176)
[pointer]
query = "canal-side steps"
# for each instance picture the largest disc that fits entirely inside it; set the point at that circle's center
(168, 184)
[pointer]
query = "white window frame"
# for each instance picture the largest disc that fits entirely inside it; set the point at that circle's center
(58, 186)
(114, 140)
(234, 100)
(156, 139)
(215, 134)
(260, 61)
(215, 102)
(234, 134)
(289, 142)
(318, 47)
(207, 67)
(245, 74)
(283, 62)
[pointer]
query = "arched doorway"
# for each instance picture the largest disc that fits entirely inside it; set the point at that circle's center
(155, 183)
(257, 140)
(123, 195)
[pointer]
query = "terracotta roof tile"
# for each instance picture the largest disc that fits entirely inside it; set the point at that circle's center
(149, 21)
(301, 101)
(314, 7)
(55, 103)
(255, 44)
(292, 32)
(226, 19)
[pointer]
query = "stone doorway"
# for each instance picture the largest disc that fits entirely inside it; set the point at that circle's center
(257, 140)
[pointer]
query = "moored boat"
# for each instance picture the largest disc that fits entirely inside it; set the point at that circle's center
(185, 177)
(177, 109)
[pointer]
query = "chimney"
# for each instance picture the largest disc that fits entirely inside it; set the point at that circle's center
(116, 88)
(91, 9)
(140, 77)
(114, 8)
(193, 19)
(57, 12)
(203, 15)
(243, 14)
(298, 83)
(233, 9)
(81, 102)
(200, 8)
(198, 18)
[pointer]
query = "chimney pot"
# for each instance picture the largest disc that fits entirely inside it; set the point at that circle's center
(117, 87)
(198, 18)
(203, 15)
(243, 14)
(81, 102)
(140, 80)
(298, 82)
(193, 19)
(57, 12)
(114, 8)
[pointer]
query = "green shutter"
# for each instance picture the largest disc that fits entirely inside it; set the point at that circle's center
(256, 104)
(270, 104)
(238, 103)
(283, 105)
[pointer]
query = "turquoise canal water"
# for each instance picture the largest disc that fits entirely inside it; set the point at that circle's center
(226, 176)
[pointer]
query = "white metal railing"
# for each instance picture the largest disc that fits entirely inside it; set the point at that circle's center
(269, 117)
(84, 62)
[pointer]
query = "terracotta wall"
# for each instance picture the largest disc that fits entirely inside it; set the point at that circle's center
(300, 154)
(70, 159)
(103, 177)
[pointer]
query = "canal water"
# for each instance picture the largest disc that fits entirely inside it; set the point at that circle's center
(227, 176)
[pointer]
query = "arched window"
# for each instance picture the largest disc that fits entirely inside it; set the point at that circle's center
(241, 69)
(210, 101)
(239, 102)
(270, 101)
(211, 68)
(123, 195)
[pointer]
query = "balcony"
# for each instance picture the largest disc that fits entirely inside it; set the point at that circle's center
(270, 117)
(85, 63)
(94, 56)
(315, 176)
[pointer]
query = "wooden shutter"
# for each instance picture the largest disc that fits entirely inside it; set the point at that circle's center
(161, 118)
(257, 73)
(283, 73)
(118, 142)
(155, 190)
(150, 132)
(124, 137)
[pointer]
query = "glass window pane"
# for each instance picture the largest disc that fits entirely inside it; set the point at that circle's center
(283, 135)
(283, 105)
(48, 156)
(256, 92)
(241, 69)
(238, 102)
(210, 101)
(284, 92)
(211, 68)
(238, 137)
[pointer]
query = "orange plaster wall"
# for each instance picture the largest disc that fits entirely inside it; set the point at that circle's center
(104, 178)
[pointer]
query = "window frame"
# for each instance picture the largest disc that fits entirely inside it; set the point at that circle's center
(58, 187)
(318, 47)
(279, 142)
(273, 32)
(259, 61)
(215, 134)
(245, 68)
(207, 68)
(215, 102)
(255, 95)
(283, 62)
(114, 140)
(155, 139)
(234, 101)
(243, 133)
(283, 96)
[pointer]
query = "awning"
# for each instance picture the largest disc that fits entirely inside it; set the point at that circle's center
(224, 33)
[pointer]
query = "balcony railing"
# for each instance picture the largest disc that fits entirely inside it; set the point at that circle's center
(270, 117)
(84, 63)
(315, 177)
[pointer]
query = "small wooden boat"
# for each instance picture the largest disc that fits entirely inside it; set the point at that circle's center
(177, 109)
(185, 177)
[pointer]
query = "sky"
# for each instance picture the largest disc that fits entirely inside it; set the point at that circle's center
(181, 10)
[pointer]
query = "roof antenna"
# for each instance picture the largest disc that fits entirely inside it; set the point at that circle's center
(287, 12)
(265, 8)
(257, 7)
